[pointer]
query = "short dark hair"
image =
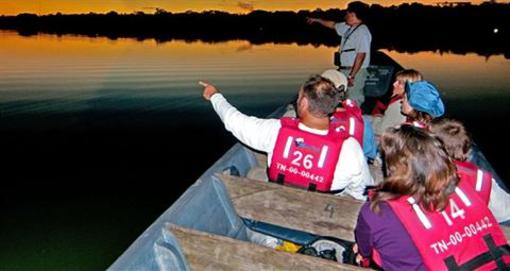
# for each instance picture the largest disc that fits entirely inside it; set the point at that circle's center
(322, 96)
(360, 8)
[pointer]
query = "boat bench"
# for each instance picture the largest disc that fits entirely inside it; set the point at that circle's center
(312, 212)
(204, 251)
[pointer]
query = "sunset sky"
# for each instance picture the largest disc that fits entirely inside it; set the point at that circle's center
(9, 7)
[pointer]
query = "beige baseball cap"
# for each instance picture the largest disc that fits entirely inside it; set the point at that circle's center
(339, 79)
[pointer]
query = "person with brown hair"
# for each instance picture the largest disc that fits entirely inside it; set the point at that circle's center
(390, 115)
(423, 217)
(422, 103)
(457, 143)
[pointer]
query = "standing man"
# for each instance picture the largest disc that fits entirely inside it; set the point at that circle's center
(355, 47)
(307, 151)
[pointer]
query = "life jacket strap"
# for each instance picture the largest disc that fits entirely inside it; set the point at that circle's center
(280, 179)
(495, 253)
(348, 50)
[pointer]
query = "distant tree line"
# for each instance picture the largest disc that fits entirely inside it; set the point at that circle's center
(482, 29)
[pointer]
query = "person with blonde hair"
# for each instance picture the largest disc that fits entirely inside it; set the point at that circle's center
(390, 115)
(423, 217)
(457, 143)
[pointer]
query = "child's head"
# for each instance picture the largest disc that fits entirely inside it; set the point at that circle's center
(455, 138)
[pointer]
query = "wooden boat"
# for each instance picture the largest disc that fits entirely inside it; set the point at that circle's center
(208, 227)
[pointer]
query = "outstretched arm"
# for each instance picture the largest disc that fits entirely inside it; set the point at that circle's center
(257, 133)
(325, 23)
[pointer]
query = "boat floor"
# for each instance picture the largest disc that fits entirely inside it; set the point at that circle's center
(205, 251)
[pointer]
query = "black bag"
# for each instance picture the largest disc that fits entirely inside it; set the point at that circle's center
(336, 59)
(331, 249)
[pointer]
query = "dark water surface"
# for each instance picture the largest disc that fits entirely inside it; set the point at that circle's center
(99, 137)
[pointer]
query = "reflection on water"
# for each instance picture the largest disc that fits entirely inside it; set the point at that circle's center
(101, 136)
(52, 75)
(461, 75)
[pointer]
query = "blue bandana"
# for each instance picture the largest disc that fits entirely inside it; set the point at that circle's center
(424, 97)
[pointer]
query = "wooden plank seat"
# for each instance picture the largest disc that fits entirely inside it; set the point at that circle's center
(204, 251)
(312, 212)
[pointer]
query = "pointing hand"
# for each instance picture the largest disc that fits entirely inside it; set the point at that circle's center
(209, 90)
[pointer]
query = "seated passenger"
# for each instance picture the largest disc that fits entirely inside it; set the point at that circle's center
(306, 151)
(422, 217)
(458, 144)
(348, 116)
(390, 115)
(421, 103)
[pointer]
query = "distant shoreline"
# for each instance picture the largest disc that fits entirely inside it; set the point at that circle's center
(482, 29)
(158, 10)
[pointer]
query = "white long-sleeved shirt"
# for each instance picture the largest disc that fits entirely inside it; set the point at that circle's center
(351, 172)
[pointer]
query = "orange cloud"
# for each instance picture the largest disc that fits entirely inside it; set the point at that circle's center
(9, 7)
(245, 6)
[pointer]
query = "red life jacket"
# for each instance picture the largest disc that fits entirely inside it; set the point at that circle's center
(465, 236)
(350, 120)
(304, 159)
(480, 180)
(381, 107)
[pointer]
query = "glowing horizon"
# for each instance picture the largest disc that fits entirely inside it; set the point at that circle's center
(149, 6)
(51, 58)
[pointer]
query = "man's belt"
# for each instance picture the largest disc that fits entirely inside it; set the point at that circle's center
(345, 67)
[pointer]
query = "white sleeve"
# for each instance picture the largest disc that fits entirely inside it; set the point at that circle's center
(363, 41)
(340, 28)
(499, 202)
(259, 134)
(352, 173)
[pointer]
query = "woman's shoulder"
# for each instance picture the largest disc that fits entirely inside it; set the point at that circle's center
(383, 215)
